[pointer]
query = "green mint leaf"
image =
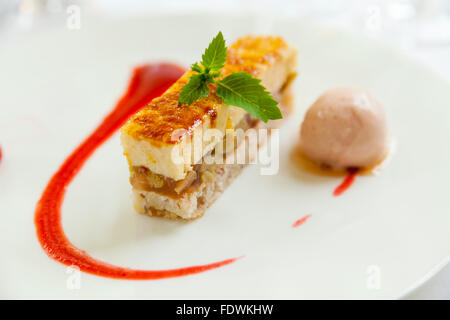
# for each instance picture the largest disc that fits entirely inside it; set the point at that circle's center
(238, 89)
(215, 55)
(195, 67)
(242, 90)
(195, 89)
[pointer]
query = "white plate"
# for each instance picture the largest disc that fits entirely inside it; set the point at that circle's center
(55, 88)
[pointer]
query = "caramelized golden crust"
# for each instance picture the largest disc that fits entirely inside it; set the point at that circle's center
(251, 54)
(160, 119)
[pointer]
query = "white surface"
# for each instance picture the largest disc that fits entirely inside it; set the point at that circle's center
(437, 59)
(397, 221)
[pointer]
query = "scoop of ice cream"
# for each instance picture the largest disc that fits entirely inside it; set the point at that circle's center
(345, 127)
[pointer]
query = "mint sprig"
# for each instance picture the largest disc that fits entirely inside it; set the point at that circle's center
(242, 90)
(216, 54)
(195, 89)
(238, 89)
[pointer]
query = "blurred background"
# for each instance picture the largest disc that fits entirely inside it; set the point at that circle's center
(419, 28)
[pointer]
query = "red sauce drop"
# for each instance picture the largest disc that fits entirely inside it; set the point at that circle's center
(147, 82)
(1, 154)
(301, 221)
(348, 181)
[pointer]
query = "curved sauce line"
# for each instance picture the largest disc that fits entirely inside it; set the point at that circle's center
(301, 221)
(147, 82)
(348, 181)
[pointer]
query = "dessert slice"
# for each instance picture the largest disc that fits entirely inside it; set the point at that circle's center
(173, 186)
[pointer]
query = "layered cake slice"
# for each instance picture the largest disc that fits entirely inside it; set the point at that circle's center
(168, 183)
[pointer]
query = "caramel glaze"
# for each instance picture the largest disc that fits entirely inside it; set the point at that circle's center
(141, 177)
(160, 119)
(303, 163)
